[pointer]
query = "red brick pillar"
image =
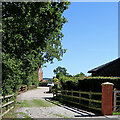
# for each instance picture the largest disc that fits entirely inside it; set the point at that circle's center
(107, 90)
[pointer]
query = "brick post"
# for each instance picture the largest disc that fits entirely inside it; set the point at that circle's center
(107, 90)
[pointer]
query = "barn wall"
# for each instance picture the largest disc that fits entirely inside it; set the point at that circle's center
(111, 70)
(40, 74)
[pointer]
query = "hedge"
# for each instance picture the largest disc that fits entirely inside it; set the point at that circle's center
(94, 83)
(90, 83)
(43, 83)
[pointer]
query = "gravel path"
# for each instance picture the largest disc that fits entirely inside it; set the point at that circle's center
(49, 110)
(37, 93)
(53, 111)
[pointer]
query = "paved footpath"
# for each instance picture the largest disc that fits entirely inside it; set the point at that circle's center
(49, 110)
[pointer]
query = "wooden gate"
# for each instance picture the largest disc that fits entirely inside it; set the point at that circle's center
(116, 102)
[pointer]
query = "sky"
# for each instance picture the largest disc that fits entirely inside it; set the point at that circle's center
(90, 37)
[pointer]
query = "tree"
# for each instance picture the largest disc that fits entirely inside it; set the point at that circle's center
(32, 31)
(55, 81)
(80, 75)
(32, 34)
(59, 71)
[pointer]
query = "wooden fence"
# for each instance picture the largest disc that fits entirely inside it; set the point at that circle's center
(8, 105)
(85, 99)
(22, 89)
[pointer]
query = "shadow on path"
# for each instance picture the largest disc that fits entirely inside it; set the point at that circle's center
(78, 112)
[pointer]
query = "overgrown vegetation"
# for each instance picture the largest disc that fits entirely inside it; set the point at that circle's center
(65, 80)
(12, 114)
(32, 35)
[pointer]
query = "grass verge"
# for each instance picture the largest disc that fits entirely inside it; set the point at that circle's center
(116, 113)
(10, 114)
(24, 103)
(56, 103)
(25, 115)
(35, 103)
(41, 103)
(61, 116)
(31, 103)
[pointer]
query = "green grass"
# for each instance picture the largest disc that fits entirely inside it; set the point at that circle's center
(56, 103)
(25, 103)
(41, 103)
(58, 115)
(24, 114)
(116, 113)
(10, 114)
(35, 103)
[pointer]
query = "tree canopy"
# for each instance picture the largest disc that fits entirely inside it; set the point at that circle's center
(80, 75)
(32, 35)
(60, 71)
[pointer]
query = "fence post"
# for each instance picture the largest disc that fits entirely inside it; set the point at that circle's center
(72, 94)
(107, 91)
(79, 97)
(66, 92)
(61, 96)
(90, 96)
(114, 99)
(55, 92)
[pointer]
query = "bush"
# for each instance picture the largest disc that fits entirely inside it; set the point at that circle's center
(32, 87)
(88, 83)
(94, 83)
(43, 83)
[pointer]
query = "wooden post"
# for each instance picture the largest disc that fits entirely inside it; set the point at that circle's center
(90, 96)
(79, 96)
(114, 100)
(66, 92)
(26, 88)
(50, 87)
(7, 105)
(107, 92)
(55, 92)
(61, 96)
(72, 94)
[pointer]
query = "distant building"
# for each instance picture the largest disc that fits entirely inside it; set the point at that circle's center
(44, 80)
(109, 69)
(40, 74)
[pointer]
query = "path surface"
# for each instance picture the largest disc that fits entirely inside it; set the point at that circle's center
(38, 93)
(51, 111)
(33, 109)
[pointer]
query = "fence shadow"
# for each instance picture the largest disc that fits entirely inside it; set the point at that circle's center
(78, 111)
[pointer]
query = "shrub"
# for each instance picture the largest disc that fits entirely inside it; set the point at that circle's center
(43, 83)
(94, 83)
(88, 83)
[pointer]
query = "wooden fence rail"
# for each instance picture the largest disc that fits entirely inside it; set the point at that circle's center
(6, 104)
(61, 94)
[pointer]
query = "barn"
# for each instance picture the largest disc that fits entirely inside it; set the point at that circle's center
(40, 74)
(110, 69)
